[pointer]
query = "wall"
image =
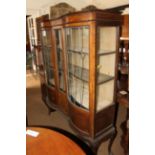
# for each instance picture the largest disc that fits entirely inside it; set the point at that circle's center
(41, 7)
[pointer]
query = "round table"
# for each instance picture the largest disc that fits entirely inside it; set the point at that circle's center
(50, 142)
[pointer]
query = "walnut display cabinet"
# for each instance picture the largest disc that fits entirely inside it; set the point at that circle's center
(82, 71)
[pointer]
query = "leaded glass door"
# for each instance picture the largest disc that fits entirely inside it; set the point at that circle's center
(77, 48)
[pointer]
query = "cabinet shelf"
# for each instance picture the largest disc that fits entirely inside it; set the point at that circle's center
(79, 72)
(102, 52)
(103, 78)
(78, 51)
(86, 52)
(83, 74)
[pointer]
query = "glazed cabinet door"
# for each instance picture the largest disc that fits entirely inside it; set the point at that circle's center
(77, 47)
(60, 69)
(48, 57)
(77, 53)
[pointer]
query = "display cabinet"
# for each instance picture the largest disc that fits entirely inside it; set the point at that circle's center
(92, 41)
(80, 52)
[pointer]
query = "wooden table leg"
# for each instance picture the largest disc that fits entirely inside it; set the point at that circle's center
(125, 136)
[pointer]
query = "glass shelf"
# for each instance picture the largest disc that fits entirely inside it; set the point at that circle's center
(80, 73)
(83, 74)
(103, 78)
(104, 52)
(79, 51)
(85, 51)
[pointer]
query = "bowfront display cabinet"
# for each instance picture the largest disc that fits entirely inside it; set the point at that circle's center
(80, 53)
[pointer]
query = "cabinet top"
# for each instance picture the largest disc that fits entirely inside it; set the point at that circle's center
(92, 16)
(85, 16)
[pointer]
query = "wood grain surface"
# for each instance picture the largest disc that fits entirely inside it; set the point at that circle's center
(50, 142)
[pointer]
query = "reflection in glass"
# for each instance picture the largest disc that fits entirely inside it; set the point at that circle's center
(77, 41)
(106, 55)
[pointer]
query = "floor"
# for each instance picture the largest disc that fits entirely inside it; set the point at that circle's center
(37, 114)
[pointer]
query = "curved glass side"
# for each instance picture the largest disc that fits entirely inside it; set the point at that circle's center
(106, 60)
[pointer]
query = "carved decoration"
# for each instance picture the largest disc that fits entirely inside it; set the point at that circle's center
(60, 9)
(89, 8)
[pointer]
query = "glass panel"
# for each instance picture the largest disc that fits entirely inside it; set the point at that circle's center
(105, 94)
(47, 56)
(106, 40)
(106, 55)
(46, 38)
(60, 59)
(50, 76)
(77, 41)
